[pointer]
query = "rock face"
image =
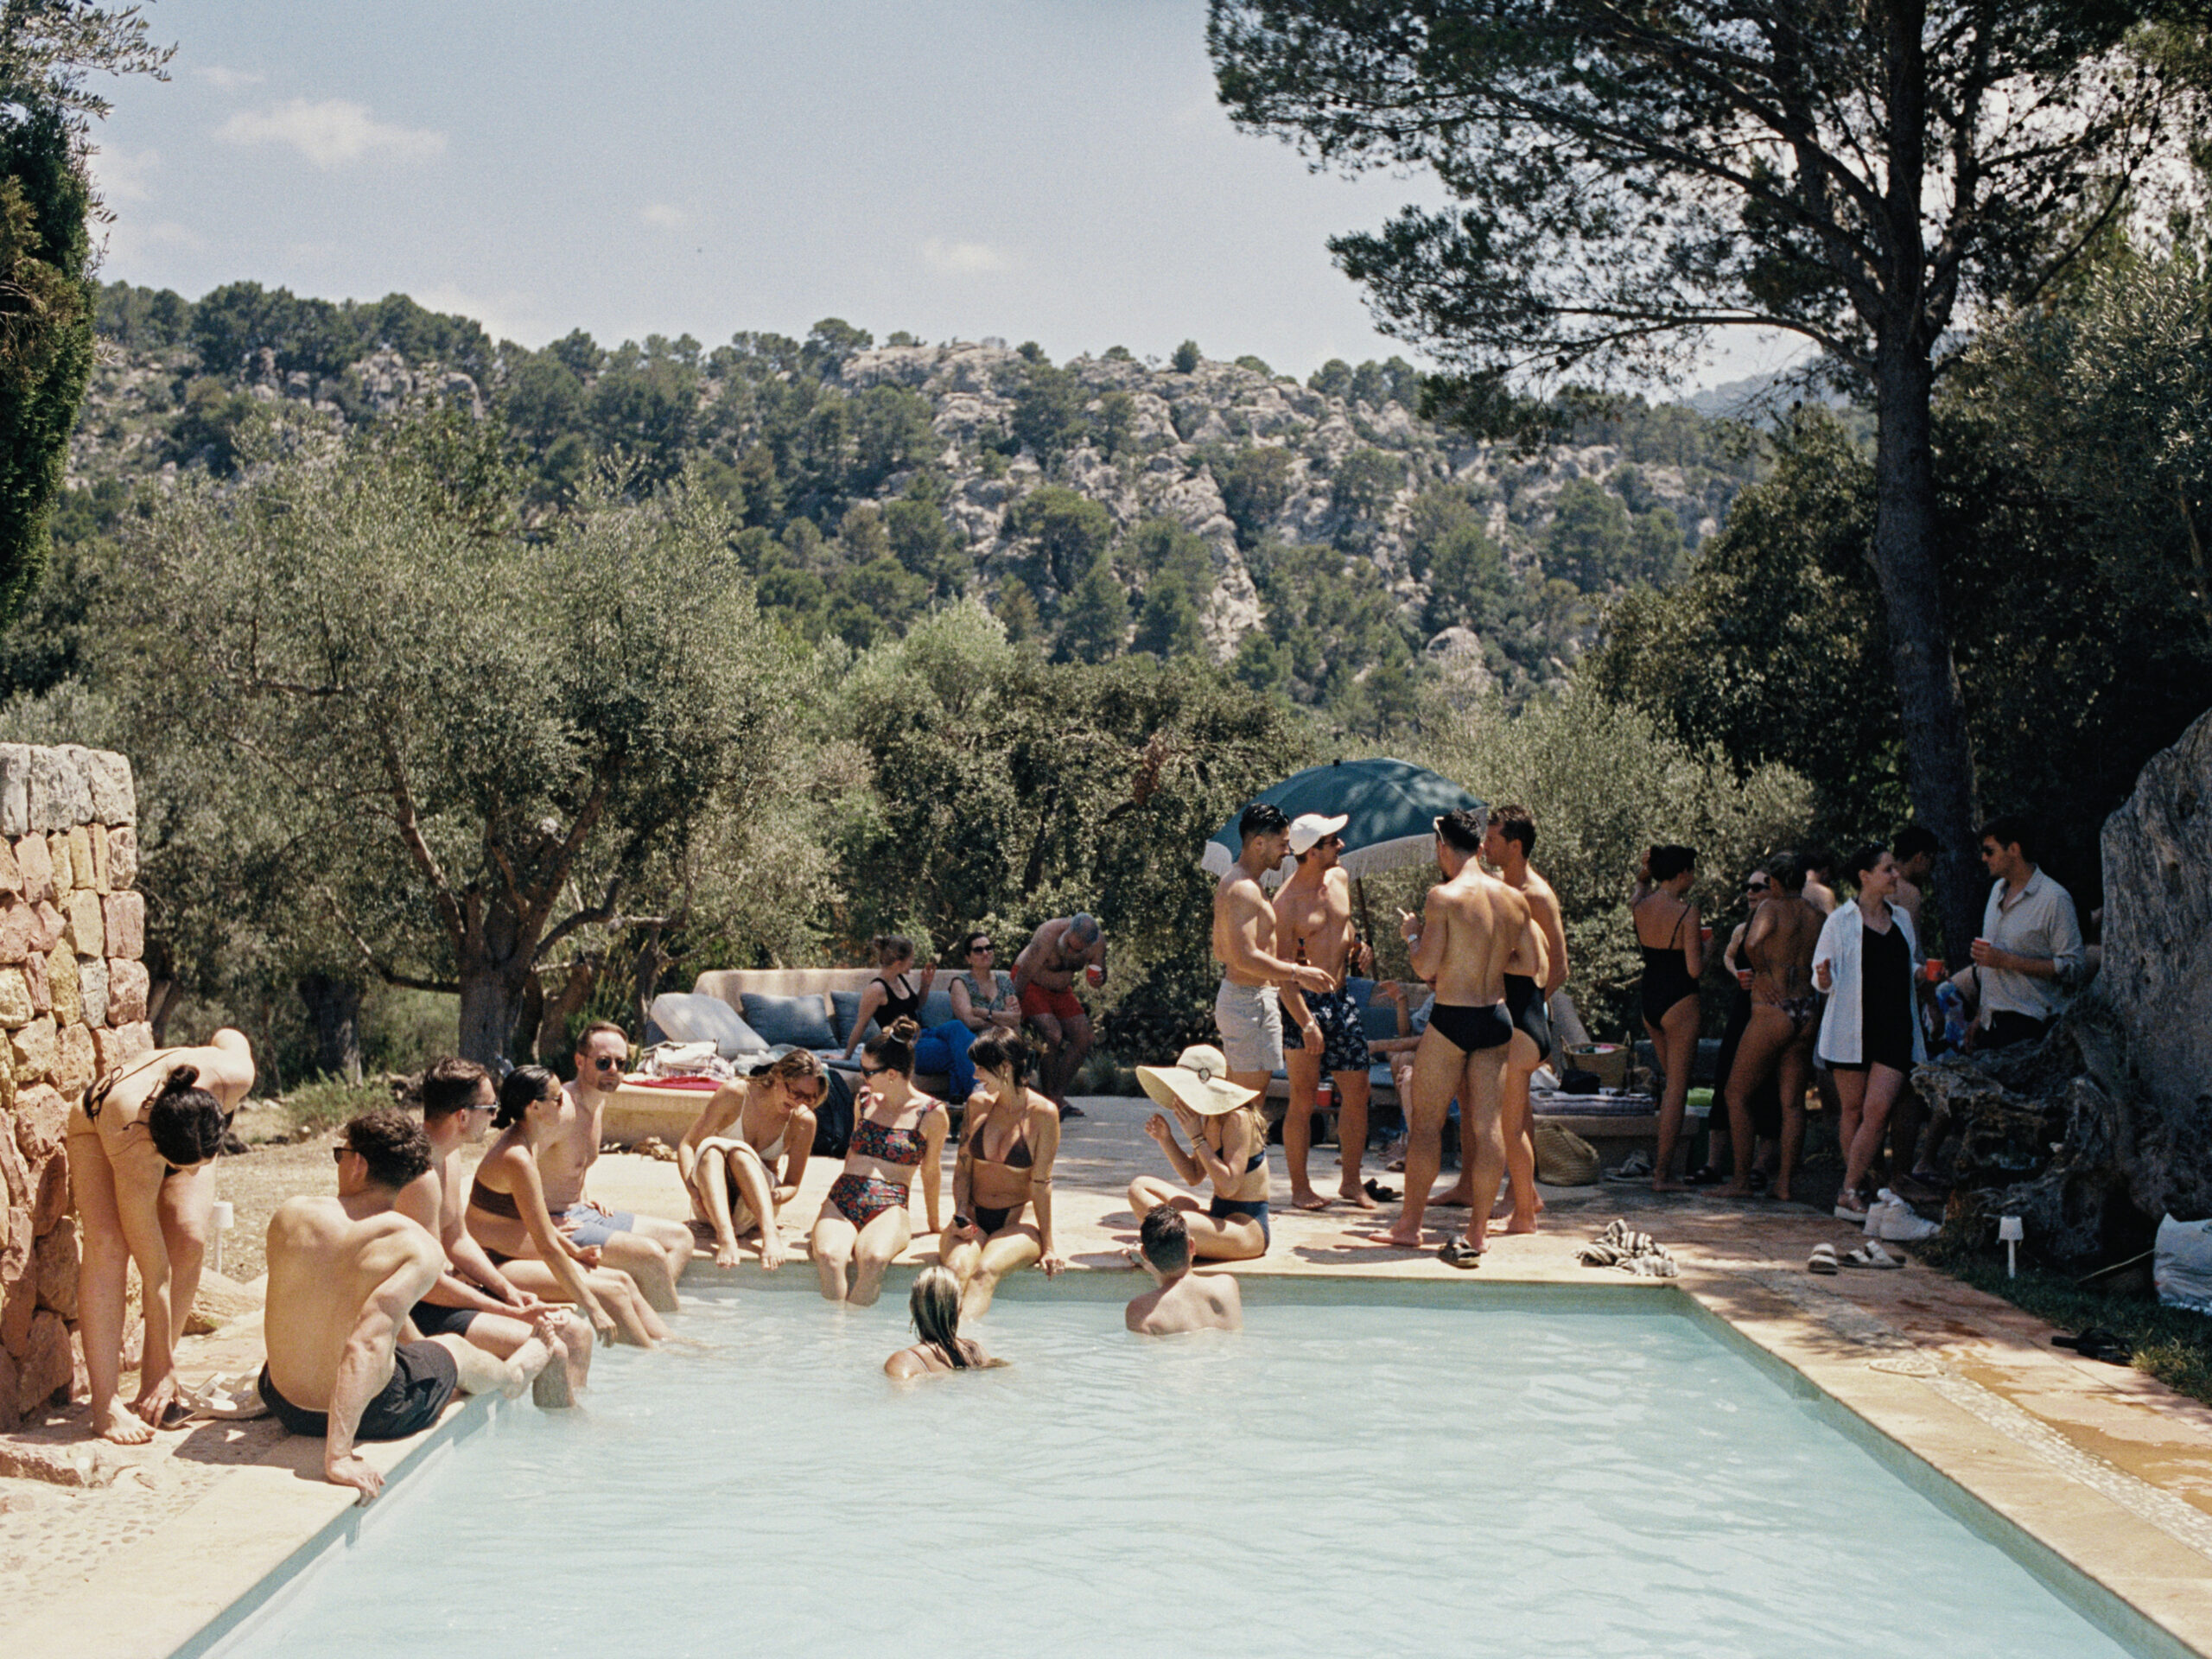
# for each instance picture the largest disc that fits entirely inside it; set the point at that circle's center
(71, 991)
(2092, 1135)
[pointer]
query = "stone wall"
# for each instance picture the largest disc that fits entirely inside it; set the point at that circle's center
(73, 1002)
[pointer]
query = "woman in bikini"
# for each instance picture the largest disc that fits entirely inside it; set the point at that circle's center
(728, 1158)
(898, 1131)
(507, 1216)
(1870, 1035)
(1778, 942)
(934, 1306)
(141, 1144)
(1004, 1165)
(1229, 1148)
(1673, 956)
(894, 994)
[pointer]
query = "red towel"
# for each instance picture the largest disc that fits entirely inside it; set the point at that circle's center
(708, 1084)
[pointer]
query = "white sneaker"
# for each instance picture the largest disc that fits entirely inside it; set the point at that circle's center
(1900, 1224)
(1877, 1211)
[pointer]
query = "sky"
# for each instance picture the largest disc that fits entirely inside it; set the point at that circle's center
(1055, 170)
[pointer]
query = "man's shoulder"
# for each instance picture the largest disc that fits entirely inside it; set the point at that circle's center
(305, 1211)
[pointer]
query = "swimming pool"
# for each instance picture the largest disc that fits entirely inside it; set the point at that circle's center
(1368, 1468)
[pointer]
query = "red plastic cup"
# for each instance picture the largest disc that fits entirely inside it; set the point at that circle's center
(1743, 977)
(1094, 974)
(1934, 968)
(1704, 935)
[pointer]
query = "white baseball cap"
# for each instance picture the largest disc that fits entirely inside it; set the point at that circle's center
(1308, 827)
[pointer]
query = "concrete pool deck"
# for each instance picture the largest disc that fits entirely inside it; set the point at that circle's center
(2104, 1468)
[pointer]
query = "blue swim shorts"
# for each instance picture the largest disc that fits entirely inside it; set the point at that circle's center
(588, 1226)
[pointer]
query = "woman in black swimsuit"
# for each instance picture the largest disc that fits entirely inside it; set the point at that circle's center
(1674, 957)
(894, 993)
(1005, 1167)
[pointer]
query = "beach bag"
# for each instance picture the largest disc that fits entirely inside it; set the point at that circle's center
(1564, 1158)
(2181, 1266)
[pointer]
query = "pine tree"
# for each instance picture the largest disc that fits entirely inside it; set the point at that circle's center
(1095, 621)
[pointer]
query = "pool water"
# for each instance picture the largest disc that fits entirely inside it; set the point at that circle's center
(1384, 1470)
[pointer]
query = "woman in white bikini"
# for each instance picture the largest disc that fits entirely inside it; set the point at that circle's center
(728, 1158)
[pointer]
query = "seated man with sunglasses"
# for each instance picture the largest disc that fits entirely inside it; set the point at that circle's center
(651, 1249)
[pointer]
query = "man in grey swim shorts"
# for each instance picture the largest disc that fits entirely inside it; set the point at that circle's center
(1246, 1009)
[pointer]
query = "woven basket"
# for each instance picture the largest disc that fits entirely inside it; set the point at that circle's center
(1564, 1158)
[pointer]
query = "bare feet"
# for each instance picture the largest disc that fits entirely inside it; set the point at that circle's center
(725, 1256)
(123, 1427)
(1394, 1239)
(1515, 1223)
(1734, 1190)
(773, 1253)
(524, 1365)
(1658, 1186)
(1356, 1196)
(1309, 1199)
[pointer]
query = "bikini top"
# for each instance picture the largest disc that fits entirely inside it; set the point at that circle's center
(895, 1006)
(1018, 1156)
(492, 1201)
(885, 1144)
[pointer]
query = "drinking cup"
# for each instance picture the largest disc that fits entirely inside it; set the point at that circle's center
(1094, 974)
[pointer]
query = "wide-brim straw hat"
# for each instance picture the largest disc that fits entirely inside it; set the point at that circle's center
(1199, 1080)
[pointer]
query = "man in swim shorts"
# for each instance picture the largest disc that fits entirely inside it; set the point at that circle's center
(1322, 1031)
(651, 1249)
(1044, 978)
(343, 1273)
(1179, 1300)
(1460, 944)
(1246, 1009)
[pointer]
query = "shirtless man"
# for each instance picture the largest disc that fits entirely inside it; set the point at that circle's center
(1313, 925)
(652, 1250)
(1044, 978)
(1508, 839)
(1460, 944)
(1246, 1009)
(343, 1273)
(1179, 1300)
(472, 1299)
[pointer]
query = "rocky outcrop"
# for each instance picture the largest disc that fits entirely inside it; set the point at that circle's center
(72, 1003)
(2092, 1135)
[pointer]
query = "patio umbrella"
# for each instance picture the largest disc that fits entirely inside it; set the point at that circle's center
(1393, 807)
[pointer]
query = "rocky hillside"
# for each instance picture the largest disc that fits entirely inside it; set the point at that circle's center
(1311, 533)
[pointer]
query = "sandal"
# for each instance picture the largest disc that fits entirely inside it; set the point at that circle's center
(1823, 1259)
(1637, 1167)
(1704, 1175)
(1380, 1193)
(2097, 1343)
(1458, 1253)
(1870, 1255)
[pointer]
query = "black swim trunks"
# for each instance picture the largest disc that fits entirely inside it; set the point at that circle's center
(423, 1378)
(1344, 1037)
(1471, 1030)
(1530, 1011)
(434, 1320)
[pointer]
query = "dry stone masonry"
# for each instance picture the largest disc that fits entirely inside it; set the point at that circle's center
(72, 1003)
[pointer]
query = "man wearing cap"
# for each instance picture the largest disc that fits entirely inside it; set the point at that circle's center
(1229, 1150)
(1245, 1010)
(1460, 944)
(1323, 1028)
(1044, 978)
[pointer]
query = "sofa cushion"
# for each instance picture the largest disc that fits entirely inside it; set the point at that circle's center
(936, 1007)
(801, 1021)
(844, 1007)
(683, 1017)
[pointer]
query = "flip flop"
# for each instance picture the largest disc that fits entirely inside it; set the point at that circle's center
(1637, 1167)
(1381, 1193)
(1458, 1253)
(1704, 1175)
(1824, 1260)
(2097, 1343)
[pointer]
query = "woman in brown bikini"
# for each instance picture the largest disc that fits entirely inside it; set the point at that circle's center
(1005, 1167)
(507, 1216)
(1778, 942)
(140, 1144)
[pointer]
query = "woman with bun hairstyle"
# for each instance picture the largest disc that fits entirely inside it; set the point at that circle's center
(897, 1132)
(140, 1146)
(1004, 1168)
(1870, 1035)
(507, 1216)
(1674, 957)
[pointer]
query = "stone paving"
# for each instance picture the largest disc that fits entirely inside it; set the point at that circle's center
(2106, 1468)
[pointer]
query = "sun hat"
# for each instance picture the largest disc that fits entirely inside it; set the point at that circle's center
(1198, 1079)
(1307, 828)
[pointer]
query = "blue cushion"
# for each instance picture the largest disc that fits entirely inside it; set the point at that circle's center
(936, 1007)
(845, 1007)
(800, 1022)
(686, 1017)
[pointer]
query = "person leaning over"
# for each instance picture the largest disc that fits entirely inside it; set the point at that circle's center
(2030, 944)
(1044, 978)
(1180, 1300)
(728, 1157)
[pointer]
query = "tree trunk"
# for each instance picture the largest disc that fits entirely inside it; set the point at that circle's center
(1939, 760)
(557, 1010)
(334, 1015)
(495, 968)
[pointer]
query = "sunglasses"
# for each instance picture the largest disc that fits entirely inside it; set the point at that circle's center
(1754, 887)
(874, 1070)
(981, 949)
(811, 1097)
(338, 1154)
(605, 1063)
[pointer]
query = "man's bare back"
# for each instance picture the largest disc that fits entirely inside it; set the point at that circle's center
(1481, 918)
(323, 1267)
(1195, 1301)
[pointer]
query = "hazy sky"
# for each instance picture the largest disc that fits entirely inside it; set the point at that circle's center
(1048, 169)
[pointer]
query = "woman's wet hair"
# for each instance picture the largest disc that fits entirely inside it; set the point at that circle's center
(186, 1122)
(891, 947)
(1855, 867)
(934, 1304)
(1001, 1050)
(894, 1049)
(1669, 861)
(519, 1090)
(787, 1069)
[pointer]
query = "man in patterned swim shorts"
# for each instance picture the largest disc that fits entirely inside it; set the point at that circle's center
(1322, 1030)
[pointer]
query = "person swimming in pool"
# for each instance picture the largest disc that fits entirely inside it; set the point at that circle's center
(934, 1306)
(1460, 944)
(1180, 1300)
(900, 1131)
(1229, 1149)
(343, 1271)
(1004, 1170)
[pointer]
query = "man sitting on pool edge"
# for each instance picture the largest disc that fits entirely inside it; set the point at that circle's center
(1180, 1300)
(343, 1273)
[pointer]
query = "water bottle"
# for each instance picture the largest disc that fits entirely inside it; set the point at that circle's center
(1955, 1015)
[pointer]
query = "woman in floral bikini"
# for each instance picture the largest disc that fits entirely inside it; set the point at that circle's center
(864, 1222)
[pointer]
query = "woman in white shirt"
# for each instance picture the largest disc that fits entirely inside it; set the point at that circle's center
(1870, 1037)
